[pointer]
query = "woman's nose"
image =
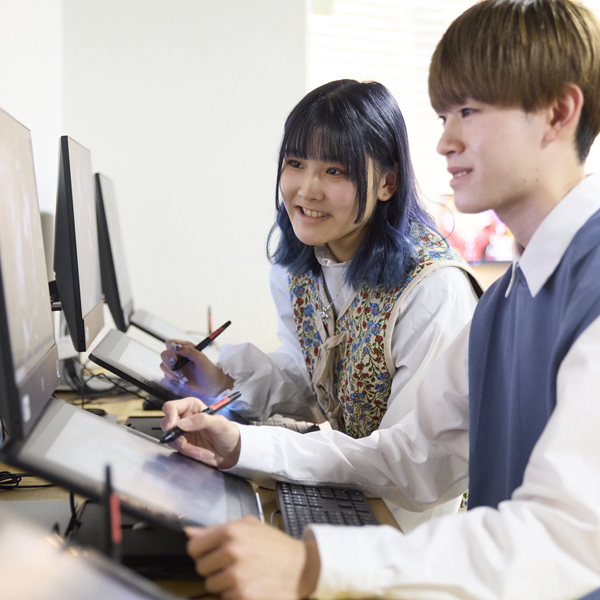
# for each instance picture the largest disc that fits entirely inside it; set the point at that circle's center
(311, 188)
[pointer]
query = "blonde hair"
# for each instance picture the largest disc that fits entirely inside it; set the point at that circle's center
(521, 53)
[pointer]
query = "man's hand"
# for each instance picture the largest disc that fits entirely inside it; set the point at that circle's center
(247, 560)
(211, 439)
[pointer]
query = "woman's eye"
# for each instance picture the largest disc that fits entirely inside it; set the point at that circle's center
(465, 112)
(334, 171)
(294, 163)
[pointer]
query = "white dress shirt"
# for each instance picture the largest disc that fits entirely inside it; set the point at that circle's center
(430, 316)
(543, 543)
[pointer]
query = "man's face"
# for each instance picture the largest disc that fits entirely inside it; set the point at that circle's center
(494, 156)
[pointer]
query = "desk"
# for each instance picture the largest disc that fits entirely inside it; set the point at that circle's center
(127, 408)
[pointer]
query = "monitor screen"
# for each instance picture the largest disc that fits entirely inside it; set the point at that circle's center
(37, 565)
(28, 355)
(72, 447)
(133, 361)
(76, 253)
(113, 266)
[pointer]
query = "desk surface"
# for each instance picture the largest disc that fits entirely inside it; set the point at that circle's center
(128, 408)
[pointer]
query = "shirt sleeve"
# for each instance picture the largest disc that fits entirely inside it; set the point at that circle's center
(276, 382)
(417, 464)
(430, 317)
(542, 543)
(428, 320)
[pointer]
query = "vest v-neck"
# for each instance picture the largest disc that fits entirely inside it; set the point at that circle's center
(333, 275)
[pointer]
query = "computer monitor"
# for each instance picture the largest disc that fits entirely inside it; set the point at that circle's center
(29, 368)
(115, 277)
(113, 266)
(76, 253)
(37, 565)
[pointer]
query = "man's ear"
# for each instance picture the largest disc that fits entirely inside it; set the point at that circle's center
(388, 184)
(564, 114)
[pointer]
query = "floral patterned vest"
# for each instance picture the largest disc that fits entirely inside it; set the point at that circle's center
(349, 359)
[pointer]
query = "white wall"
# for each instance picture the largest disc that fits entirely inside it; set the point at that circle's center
(31, 81)
(182, 105)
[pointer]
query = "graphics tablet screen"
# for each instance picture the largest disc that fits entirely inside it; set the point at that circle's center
(126, 356)
(76, 446)
(59, 574)
(145, 362)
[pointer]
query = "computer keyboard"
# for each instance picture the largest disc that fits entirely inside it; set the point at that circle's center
(288, 423)
(301, 505)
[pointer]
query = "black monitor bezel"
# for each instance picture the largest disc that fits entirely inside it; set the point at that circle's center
(46, 370)
(82, 328)
(121, 314)
(10, 412)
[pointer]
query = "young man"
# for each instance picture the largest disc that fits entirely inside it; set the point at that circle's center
(512, 409)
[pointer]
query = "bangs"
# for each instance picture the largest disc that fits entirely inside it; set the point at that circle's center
(485, 57)
(327, 138)
(514, 54)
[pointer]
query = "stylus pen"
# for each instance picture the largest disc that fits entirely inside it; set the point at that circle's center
(203, 344)
(176, 432)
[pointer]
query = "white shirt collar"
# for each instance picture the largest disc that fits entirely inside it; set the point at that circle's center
(554, 234)
(326, 257)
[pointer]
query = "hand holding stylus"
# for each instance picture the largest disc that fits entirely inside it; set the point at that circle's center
(211, 439)
(202, 345)
(175, 432)
(199, 375)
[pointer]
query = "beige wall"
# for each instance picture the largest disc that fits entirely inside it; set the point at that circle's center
(182, 105)
(31, 80)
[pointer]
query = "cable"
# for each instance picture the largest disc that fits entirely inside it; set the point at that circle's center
(10, 481)
(275, 512)
(79, 378)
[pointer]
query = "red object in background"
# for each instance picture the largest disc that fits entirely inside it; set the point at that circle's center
(479, 237)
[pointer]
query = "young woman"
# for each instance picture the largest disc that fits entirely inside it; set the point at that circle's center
(367, 293)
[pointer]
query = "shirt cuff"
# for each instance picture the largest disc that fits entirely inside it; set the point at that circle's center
(348, 573)
(255, 462)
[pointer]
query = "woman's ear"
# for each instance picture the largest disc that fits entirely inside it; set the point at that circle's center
(388, 184)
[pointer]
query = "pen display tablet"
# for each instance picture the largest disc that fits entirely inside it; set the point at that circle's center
(58, 573)
(138, 364)
(73, 447)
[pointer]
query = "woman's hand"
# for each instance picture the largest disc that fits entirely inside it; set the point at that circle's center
(211, 439)
(248, 560)
(200, 374)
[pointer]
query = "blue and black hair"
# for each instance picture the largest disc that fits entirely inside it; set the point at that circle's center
(349, 122)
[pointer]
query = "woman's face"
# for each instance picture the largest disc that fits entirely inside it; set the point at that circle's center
(322, 205)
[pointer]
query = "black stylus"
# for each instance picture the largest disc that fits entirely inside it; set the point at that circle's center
(203, 344)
